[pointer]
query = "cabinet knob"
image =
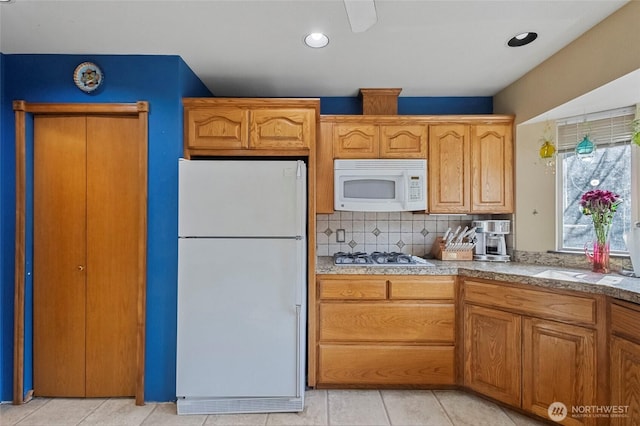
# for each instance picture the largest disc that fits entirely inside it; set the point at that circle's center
(80, 268)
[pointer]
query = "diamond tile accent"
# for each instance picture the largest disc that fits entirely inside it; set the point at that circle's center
(424, 232)
(400, 244)
(352, 244)
(328, 232)
(376, 232)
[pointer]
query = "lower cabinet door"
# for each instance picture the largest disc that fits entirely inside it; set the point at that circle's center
(492, 353)
(385, 365)
(625, 381)
(558, 366)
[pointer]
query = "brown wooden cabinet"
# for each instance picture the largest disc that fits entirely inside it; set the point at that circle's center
(625, 362)
(377, 330)
(470, 158)
(493, 353)
(236, 126)
(355, 140)
(470, 168)
(528, 347)
(492, 168)
(449, 169)
(378, 140)
(559, 364)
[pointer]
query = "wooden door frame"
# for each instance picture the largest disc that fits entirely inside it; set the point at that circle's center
(22, 108)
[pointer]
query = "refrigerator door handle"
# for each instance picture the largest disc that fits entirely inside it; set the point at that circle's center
(298, 360)
(301, 198)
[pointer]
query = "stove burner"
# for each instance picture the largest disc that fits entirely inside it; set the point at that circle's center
(376, 258)
(350, 258)
(391, 258)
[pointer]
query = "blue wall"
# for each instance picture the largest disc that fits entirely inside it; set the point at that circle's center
(4, 292)
(162, 81)
(414, 105)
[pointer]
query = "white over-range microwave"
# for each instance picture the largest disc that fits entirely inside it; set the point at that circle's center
(380, 185)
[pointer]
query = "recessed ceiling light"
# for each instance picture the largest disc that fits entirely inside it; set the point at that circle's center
(316, 40)
(522, 39)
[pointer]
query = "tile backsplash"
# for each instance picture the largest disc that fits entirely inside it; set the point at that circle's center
(406, 232)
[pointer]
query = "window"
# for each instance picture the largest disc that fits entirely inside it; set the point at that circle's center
(609, 167)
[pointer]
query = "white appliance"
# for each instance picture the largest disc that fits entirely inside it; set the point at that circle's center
(380, 185)
(491, 244)
(633, 245)
(241, 286)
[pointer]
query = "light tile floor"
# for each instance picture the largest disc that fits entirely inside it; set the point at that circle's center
(322, 407)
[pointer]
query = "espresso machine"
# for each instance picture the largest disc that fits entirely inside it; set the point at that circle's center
(490, 243)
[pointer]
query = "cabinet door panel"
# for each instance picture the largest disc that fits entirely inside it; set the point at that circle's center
(493, 353)
(217, 128)
(384, 365)
(281, 128)
(403, 141)
(355, 141)
(384, 322)
(324, 170)
(558, 365)
(625, 380)
(449, 169)
(492, 169)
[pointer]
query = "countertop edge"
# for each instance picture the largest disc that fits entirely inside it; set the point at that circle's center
(551, 277)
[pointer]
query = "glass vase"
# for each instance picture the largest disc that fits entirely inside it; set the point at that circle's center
(599, 258)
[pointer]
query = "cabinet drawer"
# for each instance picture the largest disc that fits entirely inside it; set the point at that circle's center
(422, 288)
(353, 289)
(386, 322)
(543, 304)
(381, 365)
(625, 321)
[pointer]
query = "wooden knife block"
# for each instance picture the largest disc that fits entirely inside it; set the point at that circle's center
(439, 252)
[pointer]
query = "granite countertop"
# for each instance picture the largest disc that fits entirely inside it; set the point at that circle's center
(614, 284)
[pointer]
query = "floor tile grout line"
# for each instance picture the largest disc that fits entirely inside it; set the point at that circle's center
(384, 405)
(93, 411)
(504, 410)
(155, 405)
(31, 413)
(444, 410)
(326, 407)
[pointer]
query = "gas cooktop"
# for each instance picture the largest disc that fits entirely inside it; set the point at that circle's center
(378, 258)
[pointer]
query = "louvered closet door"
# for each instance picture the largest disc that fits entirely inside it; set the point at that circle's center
(86, 221)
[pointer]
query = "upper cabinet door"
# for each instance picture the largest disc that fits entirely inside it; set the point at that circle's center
(403, 141)
(448, 168)
(355, 140)
(492, 169)
(216, 128)
(280, 128)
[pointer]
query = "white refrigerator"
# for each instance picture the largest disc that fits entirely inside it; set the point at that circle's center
(241, 286)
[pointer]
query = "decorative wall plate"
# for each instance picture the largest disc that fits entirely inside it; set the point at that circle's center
(88, 76)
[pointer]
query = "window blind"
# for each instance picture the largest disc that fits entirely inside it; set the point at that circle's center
(604, 128)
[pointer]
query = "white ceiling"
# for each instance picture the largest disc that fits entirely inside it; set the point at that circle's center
(255, 48)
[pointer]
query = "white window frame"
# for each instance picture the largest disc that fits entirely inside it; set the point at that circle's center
(635, 174)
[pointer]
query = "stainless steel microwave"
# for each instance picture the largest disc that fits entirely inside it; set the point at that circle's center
(380, 185)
